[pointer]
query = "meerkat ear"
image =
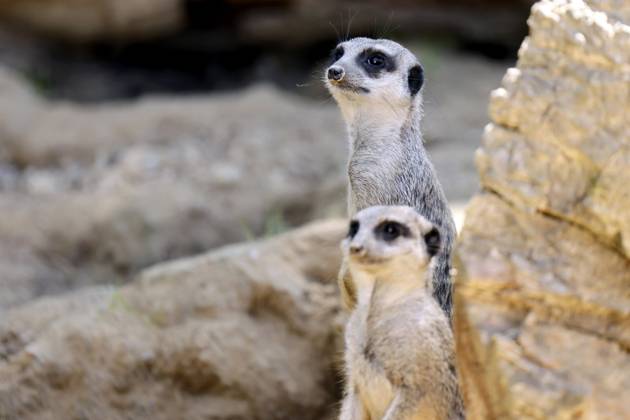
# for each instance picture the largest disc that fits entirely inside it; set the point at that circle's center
(433, 241)
(415, 79)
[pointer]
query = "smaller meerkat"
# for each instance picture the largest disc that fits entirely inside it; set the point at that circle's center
(399, 357)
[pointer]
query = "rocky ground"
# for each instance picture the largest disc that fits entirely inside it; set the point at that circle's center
(93, 194)
(247, 332)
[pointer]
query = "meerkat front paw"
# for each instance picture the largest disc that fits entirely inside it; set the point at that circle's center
(347, 288)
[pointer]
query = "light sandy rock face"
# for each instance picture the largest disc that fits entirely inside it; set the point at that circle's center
(560, 137)
(245, 332)
(543, 298)
(92, 194)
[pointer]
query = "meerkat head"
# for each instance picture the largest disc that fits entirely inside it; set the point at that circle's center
(391, 239)
(381, 72)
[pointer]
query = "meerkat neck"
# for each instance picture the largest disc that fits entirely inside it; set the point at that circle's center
(364, 284)
(384, 146)
(391, 286)
(399, 286)
(375, 125)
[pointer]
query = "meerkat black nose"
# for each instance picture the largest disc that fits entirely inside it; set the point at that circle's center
(356, 248)
(335, 73)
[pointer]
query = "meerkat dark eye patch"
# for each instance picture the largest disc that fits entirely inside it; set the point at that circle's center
(433, 241)
(354, 228)
(415, 79)
(336, 54)
(374, 62)
(390, 231)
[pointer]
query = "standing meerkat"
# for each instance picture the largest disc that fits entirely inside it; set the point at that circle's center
(400, 357)
(377, 84)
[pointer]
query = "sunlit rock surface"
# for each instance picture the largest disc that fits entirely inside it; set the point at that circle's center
(543, 293)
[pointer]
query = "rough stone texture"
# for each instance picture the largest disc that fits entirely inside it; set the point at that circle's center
(543, 298)
(92, 194)
(566, 126)
(89, 20)
(245, 332)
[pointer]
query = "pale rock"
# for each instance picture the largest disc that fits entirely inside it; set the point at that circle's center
(542, 299)
(93, 194)
(223, 335)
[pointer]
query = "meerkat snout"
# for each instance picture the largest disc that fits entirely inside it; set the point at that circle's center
(356, 249)
(335, 73)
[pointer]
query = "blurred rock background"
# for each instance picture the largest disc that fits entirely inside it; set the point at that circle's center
(138, 138)
(132, 132)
